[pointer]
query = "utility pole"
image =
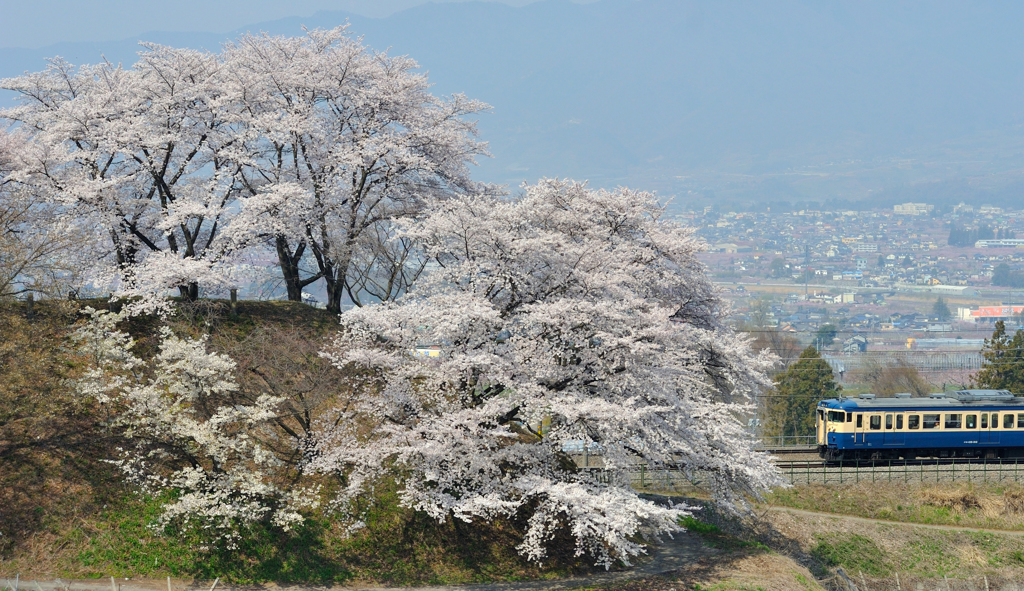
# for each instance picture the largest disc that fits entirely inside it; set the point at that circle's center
(807, 263)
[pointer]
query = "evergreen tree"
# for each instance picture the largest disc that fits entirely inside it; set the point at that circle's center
(826, 334)
(1003, 368)
(940, 310)
(1003, 276)
(790, 410)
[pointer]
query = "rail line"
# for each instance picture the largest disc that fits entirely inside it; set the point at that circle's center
(780, 451)
(906, 471)
(897, 462)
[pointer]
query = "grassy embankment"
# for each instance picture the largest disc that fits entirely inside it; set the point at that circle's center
(883, 551)
(65, 512)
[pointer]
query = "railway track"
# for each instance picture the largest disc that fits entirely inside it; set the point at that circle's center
(805, 464)
(782, 451)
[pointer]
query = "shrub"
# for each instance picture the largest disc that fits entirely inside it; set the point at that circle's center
(853, 552)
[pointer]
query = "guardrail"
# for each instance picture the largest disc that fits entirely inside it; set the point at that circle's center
(789, 440)
(805, 473)
(903, 471)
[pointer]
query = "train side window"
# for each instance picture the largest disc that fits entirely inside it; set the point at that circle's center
(913, 421)
(971, 422)
(1008, 421)
(860, 420)
(876, 422)
(1020, 421)
(888, 421)
(984, 421)
(931, 421)
(995, 421)
(953, 421)
(849, 417)
(899, 422)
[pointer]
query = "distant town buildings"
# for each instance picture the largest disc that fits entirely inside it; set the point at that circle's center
(1001, 243)
(913, 209)
(990, 313)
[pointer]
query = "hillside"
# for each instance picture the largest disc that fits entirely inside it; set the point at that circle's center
(66, 512)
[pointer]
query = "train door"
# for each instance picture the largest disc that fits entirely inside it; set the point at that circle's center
(859, 429)
(893, 429)
(820, 427)
(989, 428)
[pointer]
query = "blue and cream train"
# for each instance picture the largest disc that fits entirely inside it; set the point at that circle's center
(962, 424)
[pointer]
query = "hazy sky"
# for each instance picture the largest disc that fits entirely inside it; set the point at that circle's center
(38, 23)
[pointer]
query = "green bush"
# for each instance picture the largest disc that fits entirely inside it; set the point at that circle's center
(698, 527)
(853, 552)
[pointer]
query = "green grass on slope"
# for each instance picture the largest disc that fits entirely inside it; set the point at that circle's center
(397, 546)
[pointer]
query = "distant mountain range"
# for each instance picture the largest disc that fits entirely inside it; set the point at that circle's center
(712, 101)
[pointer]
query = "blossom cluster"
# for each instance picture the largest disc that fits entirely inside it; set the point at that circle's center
(187, 434)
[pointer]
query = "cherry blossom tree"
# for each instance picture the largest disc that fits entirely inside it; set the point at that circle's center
(575, 308)
(339, 142)
(141, 153)
(189, 433)
(40, 249)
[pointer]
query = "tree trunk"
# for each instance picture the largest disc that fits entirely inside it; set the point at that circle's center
(190, 292)
(290, 268)
(335, 291)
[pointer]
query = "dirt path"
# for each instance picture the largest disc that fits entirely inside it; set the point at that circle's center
(670, 555)
(804, 512)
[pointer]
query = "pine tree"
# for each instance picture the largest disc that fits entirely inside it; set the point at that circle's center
(1003, 368)
(941, 310)
(797, 392)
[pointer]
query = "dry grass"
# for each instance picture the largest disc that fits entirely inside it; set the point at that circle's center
(1013, 501)
(959, 499)
(762, 572)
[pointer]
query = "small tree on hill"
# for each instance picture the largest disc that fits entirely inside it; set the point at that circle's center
(1003, 368)
(797, 392)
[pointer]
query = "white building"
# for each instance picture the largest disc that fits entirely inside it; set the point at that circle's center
(913, 209)
(1001, 243)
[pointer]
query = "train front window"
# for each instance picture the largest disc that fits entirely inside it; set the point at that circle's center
(899, 422)
(1008, 421)
(984, 421)
(876, 422)
(836, 417)
(913, 421)
(931, 421)
(953, 421)
(971, 421)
